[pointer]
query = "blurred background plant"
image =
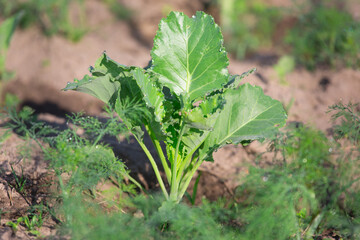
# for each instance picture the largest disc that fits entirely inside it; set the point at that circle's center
(314, 32)
(284, 66)
(65, 17)
(80, 163)
(7, 29)
(310, 189)
(119, 10)
(325, 35)
(247, 25)
(349, 117)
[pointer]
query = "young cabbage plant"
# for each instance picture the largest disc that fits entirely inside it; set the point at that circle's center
(185, 99)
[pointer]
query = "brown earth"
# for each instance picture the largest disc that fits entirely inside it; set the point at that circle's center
(44, 65)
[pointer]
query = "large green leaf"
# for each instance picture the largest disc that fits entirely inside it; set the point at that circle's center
(188, 55)
(154, 100)
(203, 116)
(108, 77)
(247, 115)
(99, 87)
(152, 95)
(234, 80)
(105, 65)
(200, 122)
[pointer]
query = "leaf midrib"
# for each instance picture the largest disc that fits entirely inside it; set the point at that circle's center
(188, 53)
(252, 119)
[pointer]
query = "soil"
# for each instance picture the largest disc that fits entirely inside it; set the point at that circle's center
(44, 65)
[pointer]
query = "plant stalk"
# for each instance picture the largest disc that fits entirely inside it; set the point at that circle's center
(154, 166)
(188, 159)
(174, 185)
(160, 153)
(186, 180)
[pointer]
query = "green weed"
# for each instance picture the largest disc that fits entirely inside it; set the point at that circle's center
(325, 35)
(143, 221)
(7, 29)
(311, 187)
(248, 25)
(20, 182)
(14, 225)
(82, 158)
(4, 136)
(284, 66)
(349, 115)
(31, 222)
(52, 16)
(119, 10)
(309, 191)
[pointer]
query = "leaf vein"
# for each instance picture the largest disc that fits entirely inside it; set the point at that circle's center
(245, 123)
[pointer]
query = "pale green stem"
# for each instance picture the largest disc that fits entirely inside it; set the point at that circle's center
(135, 182)
(64, 192)
(97, 140)
(184, 164)
(174, 185)
(160, 153)
(314, 225)
(154, 166)
(186, 180)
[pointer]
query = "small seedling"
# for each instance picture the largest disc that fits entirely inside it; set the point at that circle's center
(285, 65)
(20, 182)
(185, 99)
(31, 224)
(14, 225)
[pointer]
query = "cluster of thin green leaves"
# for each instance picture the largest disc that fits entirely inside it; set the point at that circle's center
(319, 32)
(325, 36)
(79, 162)
(349, 116)
(57, 16)
(312, 187)
(310, 190)
(84, 158)
(248, 25)
(52, 16)
(7, 29)
(147, 219)
(32, 221)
